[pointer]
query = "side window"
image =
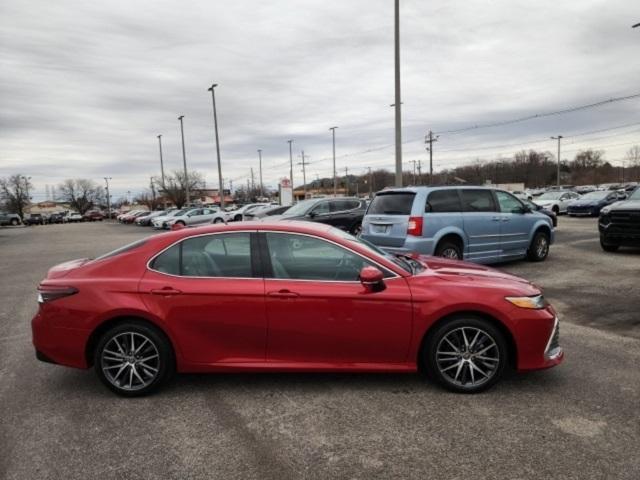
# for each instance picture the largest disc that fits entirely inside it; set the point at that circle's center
(168, 261)
(224, 255)
(443, 201)
(299, 257)
(477, 200)
(508, 203)
(321, 208)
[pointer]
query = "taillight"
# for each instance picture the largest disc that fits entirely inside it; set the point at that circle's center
(48, 293)
(414, 227)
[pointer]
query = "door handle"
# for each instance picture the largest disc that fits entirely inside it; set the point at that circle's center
(167, 291)
(283, 294)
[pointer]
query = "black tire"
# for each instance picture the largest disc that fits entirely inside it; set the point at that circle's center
(608, 247)
(180, 222)
(157, 343)
(218, 220)
(539, 248)
(237, 218)
(14, 221)
(556, 210)
(490, 337)
(449, 249)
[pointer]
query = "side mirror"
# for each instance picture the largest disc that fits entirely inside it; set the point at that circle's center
(372, 279)
(312, 214)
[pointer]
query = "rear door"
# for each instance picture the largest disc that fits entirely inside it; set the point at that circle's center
(481, 221)
(515, 226)
(387, 218)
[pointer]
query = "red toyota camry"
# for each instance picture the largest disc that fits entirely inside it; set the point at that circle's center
(287, 296)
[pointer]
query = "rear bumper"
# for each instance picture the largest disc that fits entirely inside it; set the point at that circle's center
(63, 346)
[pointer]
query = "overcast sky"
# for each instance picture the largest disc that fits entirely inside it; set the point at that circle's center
(86, 86)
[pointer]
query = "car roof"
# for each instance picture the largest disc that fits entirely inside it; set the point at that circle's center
(416, 189)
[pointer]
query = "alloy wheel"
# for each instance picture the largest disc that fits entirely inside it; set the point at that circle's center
(450, 253)
(130, 361)
(542, 247)
(468, 357)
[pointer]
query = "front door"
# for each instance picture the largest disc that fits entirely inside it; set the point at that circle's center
(481, 221)
(207, 291)
(515, 226)
(319, 313)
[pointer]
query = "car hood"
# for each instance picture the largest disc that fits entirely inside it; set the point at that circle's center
(544, 203)
(479, 275)
(625, 205)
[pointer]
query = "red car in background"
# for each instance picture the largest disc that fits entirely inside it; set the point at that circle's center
(131, 217)
(287, 296)
(93, 216)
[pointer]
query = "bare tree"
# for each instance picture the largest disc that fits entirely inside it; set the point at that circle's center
(14, 193)
(633, 156)
(82, 194)
(175, 183)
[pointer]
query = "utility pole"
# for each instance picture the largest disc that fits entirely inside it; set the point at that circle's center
(261, 185)
(419, 172)
(253, 183)
(106, 179)
(346, 179)
(370, 183)
(415, 181)
(215, 126)
(335, 176)
(559, 137)
(290, 163)
(153, 191)
(184, 161)
(398, 116)
(164, 190)
(304, 174)
(430, 138)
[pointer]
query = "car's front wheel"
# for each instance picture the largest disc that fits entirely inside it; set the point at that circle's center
(466, 354)
(14, 221)
(133, 359)
(539, 248)
(607, 247)
(218, 220)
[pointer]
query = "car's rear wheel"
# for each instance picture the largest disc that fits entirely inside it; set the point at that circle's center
(133, 359)
(466, 354)
(449, 249)
(218, 220)
(14, 221)
(539, 248)
(237, 218)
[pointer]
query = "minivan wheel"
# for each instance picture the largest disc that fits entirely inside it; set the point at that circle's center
(467, 354)
(133, 359)
(449, 249)
(539, 248)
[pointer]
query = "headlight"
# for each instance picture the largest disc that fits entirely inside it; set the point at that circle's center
(605, 210)
(536, 303)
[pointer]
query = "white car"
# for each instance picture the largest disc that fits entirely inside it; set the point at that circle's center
(557, 200)
(197, 216)
(74, 217)
(159, 222)
(238, 214)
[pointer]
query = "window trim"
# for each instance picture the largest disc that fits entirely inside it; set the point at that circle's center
(257, 270)
(268, 268)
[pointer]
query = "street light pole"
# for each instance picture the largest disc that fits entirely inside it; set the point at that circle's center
(304, 175)
(215, 126)
(398, 104)
(106, 179)
(335, 176)
(291, 165)
(184, 161)
(261, 184)
(558, 174)
(164, 189)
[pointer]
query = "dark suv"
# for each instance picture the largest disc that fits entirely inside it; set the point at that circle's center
(619, 224)
(343, 213)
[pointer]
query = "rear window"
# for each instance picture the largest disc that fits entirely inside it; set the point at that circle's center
(443, 201)
(124, 249)
(392, 203)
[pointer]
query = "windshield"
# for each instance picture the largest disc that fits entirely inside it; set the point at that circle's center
(635, 195)
(551, 195)
(374, 249)
(299, 208)
(595, 195)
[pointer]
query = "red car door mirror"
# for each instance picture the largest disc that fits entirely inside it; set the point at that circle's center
(372, 279)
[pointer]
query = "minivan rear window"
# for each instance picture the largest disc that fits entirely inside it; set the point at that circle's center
(392, 203)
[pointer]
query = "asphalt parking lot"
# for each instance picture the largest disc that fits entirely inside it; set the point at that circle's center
(577, 421)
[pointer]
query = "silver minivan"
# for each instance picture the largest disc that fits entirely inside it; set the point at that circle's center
(479, 224)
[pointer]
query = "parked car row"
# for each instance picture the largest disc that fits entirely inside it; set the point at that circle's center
(49, 218)
(165, 219)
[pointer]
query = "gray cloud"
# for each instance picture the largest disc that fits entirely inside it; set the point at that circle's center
(87, 86)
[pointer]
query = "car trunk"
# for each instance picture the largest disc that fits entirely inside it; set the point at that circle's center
(387, 218)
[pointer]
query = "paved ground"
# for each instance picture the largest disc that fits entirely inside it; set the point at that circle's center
(576, 421)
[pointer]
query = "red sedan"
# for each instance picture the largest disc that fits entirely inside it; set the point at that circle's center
(287, 296)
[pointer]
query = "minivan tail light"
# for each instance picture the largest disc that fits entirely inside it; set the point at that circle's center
(414, 227)
(48, 293)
